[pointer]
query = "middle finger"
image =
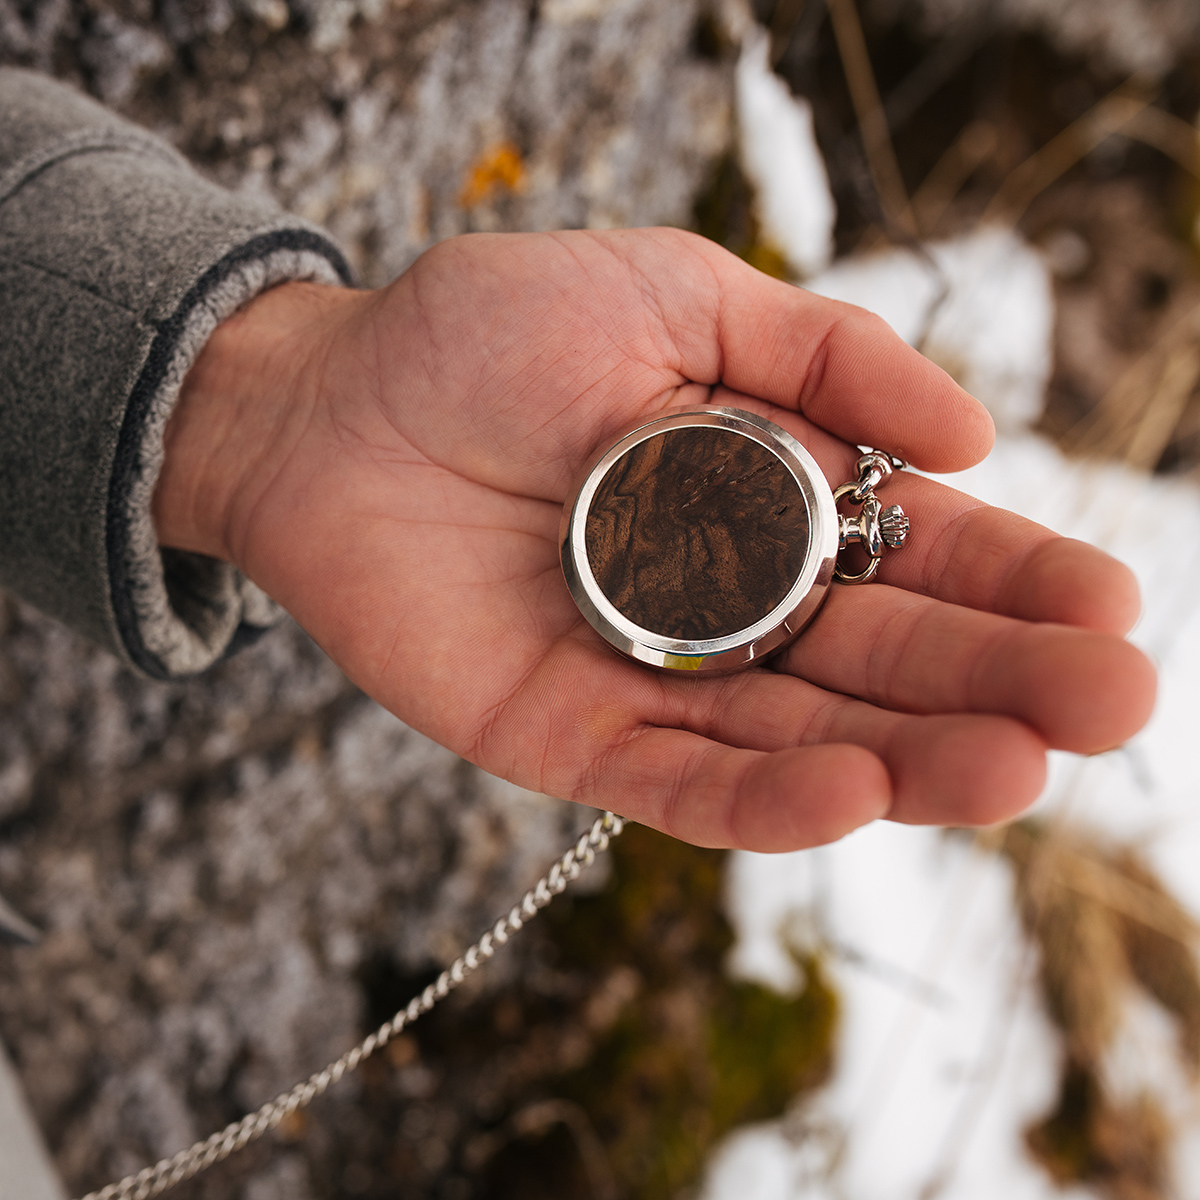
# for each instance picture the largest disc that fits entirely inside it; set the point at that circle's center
(1081, 690)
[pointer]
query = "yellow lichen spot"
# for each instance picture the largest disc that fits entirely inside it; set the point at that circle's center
(767, 258)
(499, 168)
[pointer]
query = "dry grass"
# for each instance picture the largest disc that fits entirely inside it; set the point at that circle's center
(1139, 416)
(1126, 387)
(1106, 926)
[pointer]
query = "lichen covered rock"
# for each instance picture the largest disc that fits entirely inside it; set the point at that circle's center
(232, 871)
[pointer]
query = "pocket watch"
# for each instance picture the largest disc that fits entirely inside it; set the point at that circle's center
(707, 540)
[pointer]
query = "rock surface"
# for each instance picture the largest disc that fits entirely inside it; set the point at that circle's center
(221, 868)
(400, 124)
(233, 873)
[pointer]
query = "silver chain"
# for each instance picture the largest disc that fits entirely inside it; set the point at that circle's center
(153, 1181)
(876, 527)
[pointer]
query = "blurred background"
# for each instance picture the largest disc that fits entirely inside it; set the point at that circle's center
(239, 876)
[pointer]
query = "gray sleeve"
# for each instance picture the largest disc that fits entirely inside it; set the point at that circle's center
(117, 261)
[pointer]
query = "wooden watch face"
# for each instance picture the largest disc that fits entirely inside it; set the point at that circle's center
(697, 532)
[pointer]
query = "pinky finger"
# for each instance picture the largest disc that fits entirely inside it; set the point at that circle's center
(714, 795)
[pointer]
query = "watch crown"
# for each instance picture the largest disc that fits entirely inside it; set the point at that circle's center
(893, 524)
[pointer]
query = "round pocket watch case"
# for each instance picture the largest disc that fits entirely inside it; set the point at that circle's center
(701, 541)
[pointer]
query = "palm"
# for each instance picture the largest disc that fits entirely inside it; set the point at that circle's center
(412, 524)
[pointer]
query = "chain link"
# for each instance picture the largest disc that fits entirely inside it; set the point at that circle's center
(153, 1181)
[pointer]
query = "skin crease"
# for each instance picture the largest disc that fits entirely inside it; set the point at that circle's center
(391, 467)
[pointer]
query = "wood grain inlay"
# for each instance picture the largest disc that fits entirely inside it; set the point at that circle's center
(697, 533)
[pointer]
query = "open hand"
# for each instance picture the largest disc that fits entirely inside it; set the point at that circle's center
(391, 466)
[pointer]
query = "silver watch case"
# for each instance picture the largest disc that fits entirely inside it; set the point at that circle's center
(742, 648)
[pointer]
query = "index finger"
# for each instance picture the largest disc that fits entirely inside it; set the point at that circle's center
(841, 366)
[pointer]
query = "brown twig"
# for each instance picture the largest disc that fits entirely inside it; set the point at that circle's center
(973, 146)
(872, 121)
(1137, 417)
(1169, 134)
(1117, 111)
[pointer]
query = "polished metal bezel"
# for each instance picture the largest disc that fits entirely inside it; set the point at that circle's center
(745, 646)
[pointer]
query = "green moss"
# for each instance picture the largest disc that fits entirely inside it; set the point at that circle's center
(725, 213)
(766, 1048)
(693, 1054)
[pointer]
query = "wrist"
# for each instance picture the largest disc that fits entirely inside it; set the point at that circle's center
(247, 399)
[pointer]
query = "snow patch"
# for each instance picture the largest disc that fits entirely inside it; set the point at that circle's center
(945, 1054)
(981, 306)
(780, 158)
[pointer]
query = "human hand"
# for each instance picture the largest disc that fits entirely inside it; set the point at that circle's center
(391, 466)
